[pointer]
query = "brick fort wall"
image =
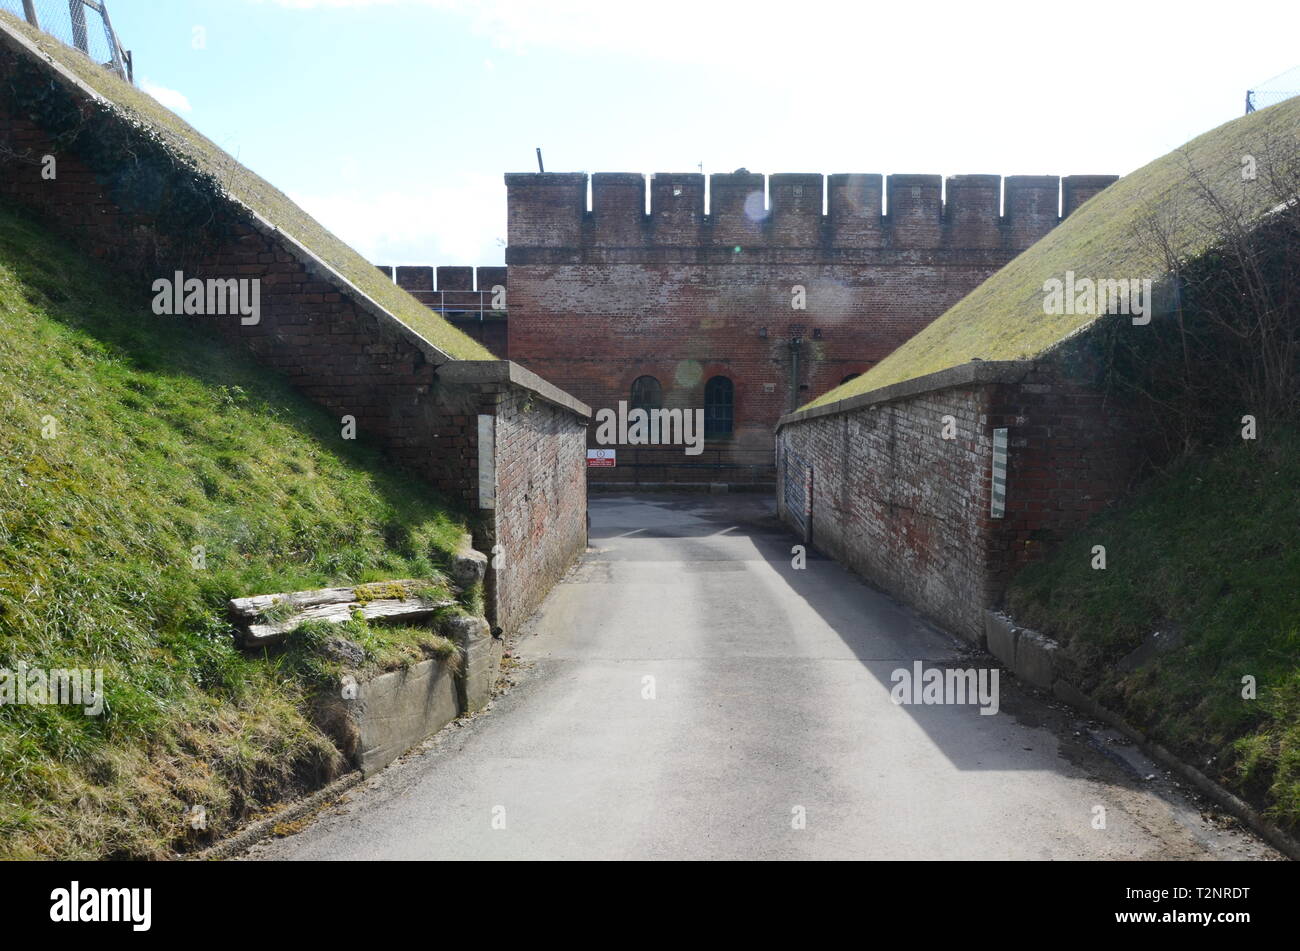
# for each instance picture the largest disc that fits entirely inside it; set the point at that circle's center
(910, 510)
(782, 299)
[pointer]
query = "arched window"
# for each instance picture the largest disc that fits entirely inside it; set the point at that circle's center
(851, 376)
(646, 394)
(719, 406)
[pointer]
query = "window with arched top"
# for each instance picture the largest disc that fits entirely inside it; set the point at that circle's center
(851, 376)
(646, 394)
(719, 407)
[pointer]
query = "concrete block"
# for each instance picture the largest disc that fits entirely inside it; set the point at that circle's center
(1036, 659)
(480, 660)
(395, 711)
(1001, 634)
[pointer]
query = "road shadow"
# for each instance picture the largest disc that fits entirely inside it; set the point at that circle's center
(718, 533)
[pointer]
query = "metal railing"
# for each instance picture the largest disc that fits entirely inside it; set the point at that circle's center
(459, 302)
(69, 23)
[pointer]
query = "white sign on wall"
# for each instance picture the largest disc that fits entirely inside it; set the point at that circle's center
(998, 505)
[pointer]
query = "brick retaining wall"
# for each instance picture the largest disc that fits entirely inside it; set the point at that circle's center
(910, 510)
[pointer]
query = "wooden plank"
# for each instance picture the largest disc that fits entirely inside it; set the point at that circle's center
(332, 605)
(258, 605)
(408, 609)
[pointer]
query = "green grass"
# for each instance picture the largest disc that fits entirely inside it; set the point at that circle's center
(387, 647)
(255, 193)
(1209, 551)
(1003, 318)
(165, 439)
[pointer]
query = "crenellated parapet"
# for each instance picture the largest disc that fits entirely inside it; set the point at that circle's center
(455, 289)
(1076, 189)
(469, 298)
(789, 211)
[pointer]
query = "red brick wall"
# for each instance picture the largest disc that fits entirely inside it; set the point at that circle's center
(312, 329)
(1072, 452)
(536, 524)
(910, 511)
(339, 354)
(541, 501)
(898, 504)
(600, 297)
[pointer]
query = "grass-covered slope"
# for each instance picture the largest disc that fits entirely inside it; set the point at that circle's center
(1207, 556)
(252, 191)
(1003, 318)
(161, 439)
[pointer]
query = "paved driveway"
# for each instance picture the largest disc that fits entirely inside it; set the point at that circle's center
(686, 693)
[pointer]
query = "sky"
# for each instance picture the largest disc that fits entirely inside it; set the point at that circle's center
(393, 121)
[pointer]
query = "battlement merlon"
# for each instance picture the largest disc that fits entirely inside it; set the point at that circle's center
(1079, 188)
(421, 277)
(457, 288)
(550, 210)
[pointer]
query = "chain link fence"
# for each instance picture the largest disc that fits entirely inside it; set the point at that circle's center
(1280, 87)
(82, 24)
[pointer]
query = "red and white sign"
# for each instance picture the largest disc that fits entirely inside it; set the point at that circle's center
(600, 458)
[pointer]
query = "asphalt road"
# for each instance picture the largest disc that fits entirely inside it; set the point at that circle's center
(767, 730)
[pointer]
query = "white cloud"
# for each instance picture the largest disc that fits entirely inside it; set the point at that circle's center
(763, 37)
(986, 57)
(1009, 88)
(451, 222)
(171, 98)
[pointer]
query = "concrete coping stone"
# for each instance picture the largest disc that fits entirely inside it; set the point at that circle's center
(975, 372)
(507, 371)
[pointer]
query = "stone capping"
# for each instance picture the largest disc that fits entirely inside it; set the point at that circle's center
(530, 255)
(975, 372)
(967, 194)
(434, 354)
(507, 371)
(312, 261)
(548, 178)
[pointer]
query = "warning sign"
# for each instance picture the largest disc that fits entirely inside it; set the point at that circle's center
(600, 458)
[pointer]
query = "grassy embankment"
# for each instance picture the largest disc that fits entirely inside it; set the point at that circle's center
(162, 438)
(1206, 554)
(1003, 318)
